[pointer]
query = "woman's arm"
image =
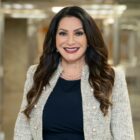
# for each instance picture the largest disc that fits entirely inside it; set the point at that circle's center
(121, 118)
(22, 129)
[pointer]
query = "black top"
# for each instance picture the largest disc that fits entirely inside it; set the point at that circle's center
(62, 114)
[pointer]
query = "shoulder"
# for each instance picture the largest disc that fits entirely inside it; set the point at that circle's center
(120, 85)
(119, 74)
(29, 78)
(31, 70)
(30, 73)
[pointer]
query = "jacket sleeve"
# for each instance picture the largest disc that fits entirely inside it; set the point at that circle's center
(22, 129)
(121, 118)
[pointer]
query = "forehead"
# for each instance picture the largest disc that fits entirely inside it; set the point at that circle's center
(70, 22)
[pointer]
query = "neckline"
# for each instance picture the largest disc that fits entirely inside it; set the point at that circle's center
(66, 80)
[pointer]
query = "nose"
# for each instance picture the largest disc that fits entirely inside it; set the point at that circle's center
(70, 40)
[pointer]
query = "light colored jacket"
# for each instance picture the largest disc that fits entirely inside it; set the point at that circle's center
(117, 125)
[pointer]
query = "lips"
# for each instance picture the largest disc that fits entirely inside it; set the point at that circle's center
(71, 50)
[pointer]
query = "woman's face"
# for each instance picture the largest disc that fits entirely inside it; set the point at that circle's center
(71, 41)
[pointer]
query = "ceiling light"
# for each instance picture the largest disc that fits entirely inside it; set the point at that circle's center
(104, 10)
(26, 15)
(28, 6)
(56, 9)
(17, 6)
(6, 6)
(108, 21)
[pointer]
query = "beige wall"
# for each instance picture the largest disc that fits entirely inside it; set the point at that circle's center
(15, 61)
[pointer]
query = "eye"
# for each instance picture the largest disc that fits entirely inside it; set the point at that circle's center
(79, 33)
(62, 33)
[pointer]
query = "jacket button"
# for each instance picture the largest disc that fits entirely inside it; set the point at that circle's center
(35, 128)
(91, 89)
(44, 88)
(35, 106)
(94, 130)
(94, 107)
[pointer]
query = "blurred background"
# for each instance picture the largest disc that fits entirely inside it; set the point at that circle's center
(23, 24)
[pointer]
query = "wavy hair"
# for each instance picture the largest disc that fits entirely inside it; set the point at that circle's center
(101, 74)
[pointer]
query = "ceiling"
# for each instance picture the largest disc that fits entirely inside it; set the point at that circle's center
(133, 6)
(63, 1)
(77, 1)
(49, 3)
(129, 1)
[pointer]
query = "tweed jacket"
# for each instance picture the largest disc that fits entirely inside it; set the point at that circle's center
(117, 125)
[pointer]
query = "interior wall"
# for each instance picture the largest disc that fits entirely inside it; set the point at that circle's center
(15, 63)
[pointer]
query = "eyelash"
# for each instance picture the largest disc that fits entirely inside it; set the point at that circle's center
(62, 33)
(79, 33)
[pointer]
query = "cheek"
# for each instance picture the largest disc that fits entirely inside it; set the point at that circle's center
(59, 41)
(84, 42)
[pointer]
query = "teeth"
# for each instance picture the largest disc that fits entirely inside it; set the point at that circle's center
(71, 49)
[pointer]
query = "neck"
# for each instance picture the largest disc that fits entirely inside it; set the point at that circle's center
(72, 71)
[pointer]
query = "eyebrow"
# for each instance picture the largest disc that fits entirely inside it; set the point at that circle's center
(74, 30)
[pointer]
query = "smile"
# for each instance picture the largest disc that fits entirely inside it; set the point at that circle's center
(71, 50)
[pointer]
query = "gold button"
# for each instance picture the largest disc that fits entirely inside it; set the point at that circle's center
(44, 88)
(94, 130)
(35, 106)
(91, 89)
(35, 127)
(94, 107)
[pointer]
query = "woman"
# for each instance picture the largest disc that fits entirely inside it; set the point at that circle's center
(73, 93)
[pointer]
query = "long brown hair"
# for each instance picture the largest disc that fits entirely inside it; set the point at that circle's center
(101, 75)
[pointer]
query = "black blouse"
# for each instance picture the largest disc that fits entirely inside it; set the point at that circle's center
(62, 114)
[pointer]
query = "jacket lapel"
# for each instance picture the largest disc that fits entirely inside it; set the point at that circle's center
(41, 103)
(90, 105)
